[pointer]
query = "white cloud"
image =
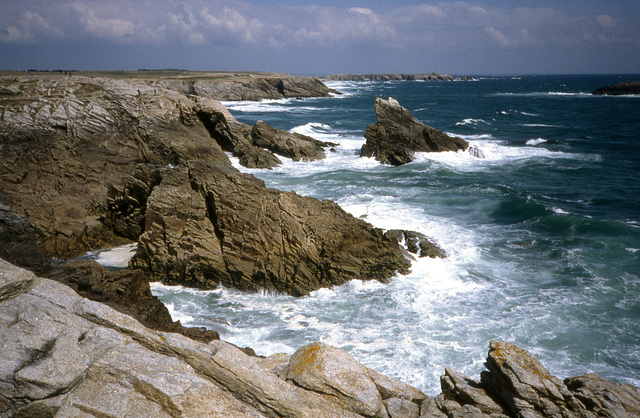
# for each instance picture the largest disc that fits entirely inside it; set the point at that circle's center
(29, 27)
(606, 21)
(499, 37)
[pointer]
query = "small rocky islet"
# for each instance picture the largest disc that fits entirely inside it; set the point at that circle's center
(93, 162)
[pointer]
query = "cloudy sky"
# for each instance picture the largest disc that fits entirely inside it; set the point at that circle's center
(323, 37)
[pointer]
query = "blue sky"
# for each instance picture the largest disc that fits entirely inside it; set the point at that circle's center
(323, 37)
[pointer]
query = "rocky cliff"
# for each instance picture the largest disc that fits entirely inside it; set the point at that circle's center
(398, 134)
(64, 355)
(89, 162)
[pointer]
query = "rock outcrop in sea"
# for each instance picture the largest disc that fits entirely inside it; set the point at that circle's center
(65, 355)
(629, 87)
(398, 134)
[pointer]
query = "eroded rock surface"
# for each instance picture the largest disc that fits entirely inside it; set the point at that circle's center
(64, 355)
(206, 224)
(398, 134)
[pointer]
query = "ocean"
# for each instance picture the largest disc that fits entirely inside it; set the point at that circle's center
(542, 235)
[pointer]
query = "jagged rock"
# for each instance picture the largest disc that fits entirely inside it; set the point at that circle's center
(206, 224)
(416, 243)
(398, 134)
(517, 384)
(61, 140)
(127, 291)
(64, 355)
(603, 398)
(629, 87)
(296, 146)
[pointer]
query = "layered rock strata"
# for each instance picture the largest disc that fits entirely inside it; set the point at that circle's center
(398, 135)
(90, 163)
(247, 86)
(206, 224)
(64, 355)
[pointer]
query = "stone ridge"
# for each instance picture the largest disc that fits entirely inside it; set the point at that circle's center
(64, 355)
(630, 87)
(388, 77)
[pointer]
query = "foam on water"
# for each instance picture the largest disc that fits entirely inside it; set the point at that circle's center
(116, 257)
(536, 141)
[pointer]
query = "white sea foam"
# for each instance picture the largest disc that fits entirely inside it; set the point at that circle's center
(117, 256)
(536, 141)
(470, 121)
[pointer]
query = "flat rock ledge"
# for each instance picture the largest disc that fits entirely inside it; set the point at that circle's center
(398, 135)
(63, 355)
(629, 87)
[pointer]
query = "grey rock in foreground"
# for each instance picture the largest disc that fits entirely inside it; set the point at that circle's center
(398, 134)
(63, 355)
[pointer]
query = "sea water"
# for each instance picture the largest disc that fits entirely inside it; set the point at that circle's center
(542, 235)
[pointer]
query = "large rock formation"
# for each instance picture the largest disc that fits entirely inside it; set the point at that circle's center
(245, 86)
(629, 87)
(64, 355)
(398, 134)
(205, 223)
(62, 139)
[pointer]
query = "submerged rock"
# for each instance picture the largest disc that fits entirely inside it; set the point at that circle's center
(416, 243)
(398, 134)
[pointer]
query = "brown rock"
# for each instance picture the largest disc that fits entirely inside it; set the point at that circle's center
(398, 134)
(206, 224)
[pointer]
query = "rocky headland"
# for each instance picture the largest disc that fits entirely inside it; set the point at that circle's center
(388, 77)
(398, 135)
(629, 87)
(94, 162)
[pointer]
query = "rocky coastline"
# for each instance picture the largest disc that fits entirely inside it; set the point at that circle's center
(629, 87)
(388, 77)
(89, 162)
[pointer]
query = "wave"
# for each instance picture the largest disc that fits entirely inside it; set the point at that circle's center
(270, 106)
(470, 121)
(536, 141)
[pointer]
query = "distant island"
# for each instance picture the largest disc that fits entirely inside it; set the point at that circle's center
(388, 77)
(629, 87)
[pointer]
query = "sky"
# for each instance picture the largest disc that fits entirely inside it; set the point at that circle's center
(317, 37)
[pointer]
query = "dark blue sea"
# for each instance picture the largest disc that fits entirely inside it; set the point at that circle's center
(542, 235)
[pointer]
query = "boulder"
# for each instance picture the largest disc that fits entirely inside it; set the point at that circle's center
(208, 224)
(398, 134)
